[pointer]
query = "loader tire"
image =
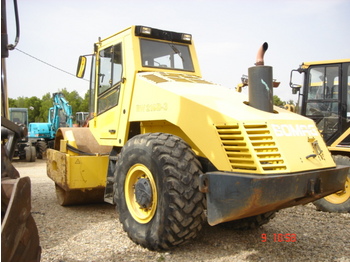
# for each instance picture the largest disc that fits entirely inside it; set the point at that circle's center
(338, 202)
(156, 191)
(250, 222)
(41, 147)
(30, 153)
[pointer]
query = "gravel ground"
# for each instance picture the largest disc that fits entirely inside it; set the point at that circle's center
(93, 233)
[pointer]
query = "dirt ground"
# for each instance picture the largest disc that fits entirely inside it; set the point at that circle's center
(93, 233)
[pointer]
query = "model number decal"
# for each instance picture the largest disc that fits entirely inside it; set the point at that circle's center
(294, 130)
(152, 107)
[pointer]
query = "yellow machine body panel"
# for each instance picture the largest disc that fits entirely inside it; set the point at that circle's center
(77, 172)
(325, 62)
(219, 124)
(72, 170)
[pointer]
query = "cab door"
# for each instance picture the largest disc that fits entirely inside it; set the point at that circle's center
(323, 99)
(108, 90)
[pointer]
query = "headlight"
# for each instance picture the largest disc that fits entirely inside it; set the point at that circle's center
(186, 37)
(146, 30)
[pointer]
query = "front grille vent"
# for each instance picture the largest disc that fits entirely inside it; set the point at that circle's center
(250, 148)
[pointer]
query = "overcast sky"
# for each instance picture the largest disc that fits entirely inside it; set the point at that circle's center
(227, 35)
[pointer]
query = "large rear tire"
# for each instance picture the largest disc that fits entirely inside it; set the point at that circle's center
(338, 202)
(30, 153)
(156, 191)
(41, 147)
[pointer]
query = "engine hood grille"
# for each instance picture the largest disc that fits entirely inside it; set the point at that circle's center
(250, 147)
(161, 77)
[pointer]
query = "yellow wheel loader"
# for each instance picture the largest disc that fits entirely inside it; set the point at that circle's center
(325, 98)
(172, 150)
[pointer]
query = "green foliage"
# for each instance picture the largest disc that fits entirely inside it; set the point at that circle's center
(277, 101)
(84, 107)
(38, 109)
(12, 102)
(46, 103)
(33, 104)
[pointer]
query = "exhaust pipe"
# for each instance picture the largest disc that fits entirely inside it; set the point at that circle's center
(261, 53)
(261, 83)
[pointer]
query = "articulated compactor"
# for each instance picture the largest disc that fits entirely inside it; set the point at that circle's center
(173, 151)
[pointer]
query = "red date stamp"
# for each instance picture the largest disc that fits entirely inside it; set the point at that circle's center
(279, 237)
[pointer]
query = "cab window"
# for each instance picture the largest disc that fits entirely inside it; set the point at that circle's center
(323, 98)
(323, 91)
(109, 77)
(166, 55)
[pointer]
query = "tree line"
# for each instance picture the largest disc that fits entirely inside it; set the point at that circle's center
(278, 102)
(38, 109)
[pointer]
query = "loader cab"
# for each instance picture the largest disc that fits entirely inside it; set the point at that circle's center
(20, 117)
(114, 65)
(81, 118)
(325, 96)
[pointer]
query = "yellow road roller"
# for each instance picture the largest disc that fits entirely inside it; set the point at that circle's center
(172, 150)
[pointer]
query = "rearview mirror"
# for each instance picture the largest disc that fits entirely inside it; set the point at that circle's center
(295, 87)
(81, 67)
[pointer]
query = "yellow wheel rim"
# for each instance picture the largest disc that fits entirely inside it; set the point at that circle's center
(340, 196)
(141, 214)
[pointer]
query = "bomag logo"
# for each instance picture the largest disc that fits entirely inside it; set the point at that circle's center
(294, 130)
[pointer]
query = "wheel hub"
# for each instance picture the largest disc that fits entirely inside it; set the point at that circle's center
(143, 193)
(342, 195)
(140, 193)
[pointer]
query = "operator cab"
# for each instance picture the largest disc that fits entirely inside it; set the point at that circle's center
(116, 63)
(325, 97)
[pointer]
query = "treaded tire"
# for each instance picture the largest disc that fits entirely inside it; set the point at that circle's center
(336, 203)
(250, 222)
(30, 153)
(41, 147)
(179, 207)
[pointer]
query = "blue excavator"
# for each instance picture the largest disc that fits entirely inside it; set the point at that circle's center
(43, 134)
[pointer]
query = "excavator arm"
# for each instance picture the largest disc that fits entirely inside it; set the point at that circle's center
(62, 112)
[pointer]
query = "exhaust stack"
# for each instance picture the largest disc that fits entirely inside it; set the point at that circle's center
(260, 83)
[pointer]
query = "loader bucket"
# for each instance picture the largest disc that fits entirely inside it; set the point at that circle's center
(19, 234)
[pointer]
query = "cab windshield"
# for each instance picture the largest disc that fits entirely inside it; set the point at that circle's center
(165, 55)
